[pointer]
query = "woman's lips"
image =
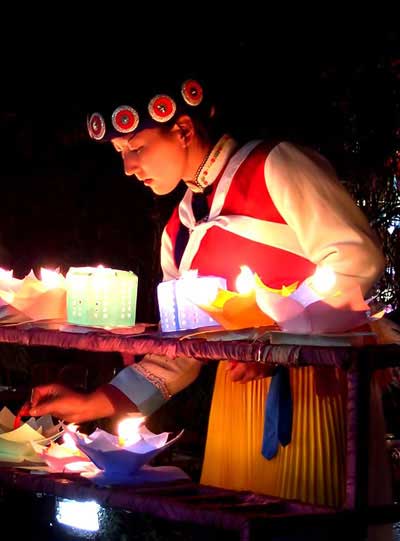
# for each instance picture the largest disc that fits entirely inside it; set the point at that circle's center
(147, 181)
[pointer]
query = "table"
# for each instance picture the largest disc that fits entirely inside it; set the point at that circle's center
(359, 363)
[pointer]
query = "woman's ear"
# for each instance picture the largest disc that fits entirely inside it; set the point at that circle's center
(185, 128)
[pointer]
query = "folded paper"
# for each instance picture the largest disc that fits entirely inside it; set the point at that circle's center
(239, 310)
(144, 476)
(116, 462)
(16, 445)
(61, 457)
(297, 309)
(180, 301)
(312, 314)
(30, 298)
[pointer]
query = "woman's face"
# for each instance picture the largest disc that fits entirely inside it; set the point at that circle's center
(157, 157)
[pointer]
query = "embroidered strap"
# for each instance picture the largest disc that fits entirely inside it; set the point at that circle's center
(155, 380)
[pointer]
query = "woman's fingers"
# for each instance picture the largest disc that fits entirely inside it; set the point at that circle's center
(46, 392)
(245, 372)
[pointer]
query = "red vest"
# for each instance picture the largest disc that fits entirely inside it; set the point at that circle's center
(221, 252)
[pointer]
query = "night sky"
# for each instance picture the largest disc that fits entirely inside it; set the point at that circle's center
(65, 199)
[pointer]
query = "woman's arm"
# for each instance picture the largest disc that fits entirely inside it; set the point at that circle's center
(330, 228)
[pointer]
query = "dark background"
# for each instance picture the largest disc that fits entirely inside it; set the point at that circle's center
(65, 200)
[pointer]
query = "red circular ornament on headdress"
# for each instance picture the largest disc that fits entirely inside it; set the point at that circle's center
(192, 92)
(125, 119)
(162, 108)
(96, 126)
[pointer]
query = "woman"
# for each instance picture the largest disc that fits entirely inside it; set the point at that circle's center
(280, 210)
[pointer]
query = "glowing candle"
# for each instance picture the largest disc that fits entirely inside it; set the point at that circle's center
(245, 282)
(52, 279)
(65, 456)
(68, 441)
(101, 297)
(6, 275)
(177, 300)
(8, 282)
(316, 287)
(128, 429)
(323, 279)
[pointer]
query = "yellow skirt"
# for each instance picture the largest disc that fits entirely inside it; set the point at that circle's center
(311, 468)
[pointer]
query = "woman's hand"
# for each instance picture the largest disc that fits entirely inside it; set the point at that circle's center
(69, 405)
(245, 372)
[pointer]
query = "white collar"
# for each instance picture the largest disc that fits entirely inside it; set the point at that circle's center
(213, 164)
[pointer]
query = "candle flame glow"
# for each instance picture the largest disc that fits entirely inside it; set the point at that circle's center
(323, 279)
(69, 443)
(101, 278)
(128, 430)
(6, 274)
(67, 439)
(77, 466)
(245, 281)
(51, 278)
(200, 292)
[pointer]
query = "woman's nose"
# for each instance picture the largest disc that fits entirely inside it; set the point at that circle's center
(131, 165)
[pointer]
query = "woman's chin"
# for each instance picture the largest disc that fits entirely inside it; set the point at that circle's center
(160, 190)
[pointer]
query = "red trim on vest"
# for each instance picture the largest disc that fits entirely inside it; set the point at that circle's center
(221, 252)
(248, 194)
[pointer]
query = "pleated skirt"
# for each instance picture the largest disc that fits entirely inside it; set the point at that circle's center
(311, 468)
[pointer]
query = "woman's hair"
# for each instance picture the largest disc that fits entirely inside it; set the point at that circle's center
(206, 125)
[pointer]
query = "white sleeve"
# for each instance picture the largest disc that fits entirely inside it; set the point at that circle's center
(329, 226)
(152, 381)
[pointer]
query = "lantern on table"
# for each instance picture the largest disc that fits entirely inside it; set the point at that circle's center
(178, 301)
(124, 459)
(101, 297)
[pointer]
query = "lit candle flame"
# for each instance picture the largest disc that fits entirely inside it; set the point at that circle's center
(101, 278)
(128, 430)
(6, 274)
(245, 282)
(51, 278)
(200, 292)
(323, 279)
(69, 443)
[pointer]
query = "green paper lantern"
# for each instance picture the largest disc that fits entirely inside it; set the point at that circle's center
(101, 297)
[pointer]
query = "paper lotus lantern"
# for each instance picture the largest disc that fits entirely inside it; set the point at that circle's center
(316, 306)
(16, 444)
(180, 301)
(101, 297)
(118, 463)
(64, 456)
(239, 310)
(32, 298)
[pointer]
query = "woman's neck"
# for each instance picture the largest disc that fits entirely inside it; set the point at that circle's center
(209, 162)
(198, 153)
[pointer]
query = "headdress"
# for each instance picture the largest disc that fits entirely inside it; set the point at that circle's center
(148, 112)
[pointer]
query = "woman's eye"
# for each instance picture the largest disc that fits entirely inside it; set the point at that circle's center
(137, 150)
